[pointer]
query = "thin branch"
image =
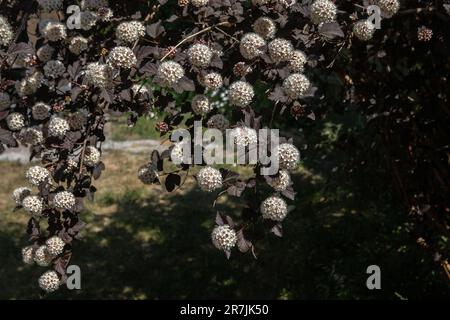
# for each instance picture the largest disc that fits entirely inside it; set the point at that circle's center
(193, 36)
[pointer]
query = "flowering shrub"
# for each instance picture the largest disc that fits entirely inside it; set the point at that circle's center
(173, 59)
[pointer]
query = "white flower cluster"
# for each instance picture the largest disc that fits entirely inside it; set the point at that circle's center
(297, 61)
(224, 237)
(54, 69)
(33, 205)
(91, 156)
(58, 127)
(218, 121)
(252, 46)
(5, 101)
(78, 44)
(88, 20)
(323, 11)
(45, 53)
(199, 3)
(64, 200)
(211, 80)
(244, 136)
(169, 73)
(274, 208)
(98, 75)
(389, 7)
(40, 111)
(265, 27)
(30, 84)
(199, 55)
(241, 93)
(27, 255)
(282, 181)
(147, 174)
(37, 175)
(50, 5)
(31, 136)
(19, 194)
(288, 156)
(49, 281)
(55, 245)
(15, 121)
(200, 104)
(296, 85)
(209, 179)
(176, 155)
(280, 50)
(122, 57)
(363, 30)
(131, 31)
(6, 32)
(42, 257)
(53, 30)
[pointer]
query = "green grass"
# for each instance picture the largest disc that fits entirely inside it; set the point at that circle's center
(143, 129)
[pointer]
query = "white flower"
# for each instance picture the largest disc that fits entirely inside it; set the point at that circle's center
(98, 75)
(37, 175)
(199, 55)
(19, 194)
(88, 19)
(297, 61)
(240, 93)
(170, 72)
(58, 127)
(323, 11)
(49, 281)
(78, 44)
(389, 7)
(91, 156)
(64, 200)
(280, 50)
(104, 14)
(55, 245)
(122, 57)
(265, 27)
(31, 136)
(199, 3)
(209, 179)
(131, 31)
(274, 208)
(177, 153)
(45, 53)
(200, 104)
(147, 174)
(53, 30)
(288, 156)
(54, 69)
(30, 84)
(27, 255)
(282, 181)
(252, 45)
(42, 257)
(40, 111)
(244, 136)
(50, 5)
(5, 101)
(363, 30)
(224, 237)
(218, 121)
(6, 32)
(15, 121)
(32, 205)
(296, 85)
(211, 80)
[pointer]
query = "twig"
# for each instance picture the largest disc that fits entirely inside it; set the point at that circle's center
(192, 36)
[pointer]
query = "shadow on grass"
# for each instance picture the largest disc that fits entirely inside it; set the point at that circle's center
(154, 250)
